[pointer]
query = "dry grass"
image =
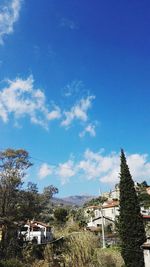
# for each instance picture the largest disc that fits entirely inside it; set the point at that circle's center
(107, 258)
(76, 250)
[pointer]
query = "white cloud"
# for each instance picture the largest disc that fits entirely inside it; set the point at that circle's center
(9, 14)
(72, 88)
(21, 99)
(45, 170)
(54, 114)
(105, 168)
(90, 129)
(78, 111)
(65, 171)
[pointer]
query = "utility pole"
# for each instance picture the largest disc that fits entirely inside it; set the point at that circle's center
(103, 231)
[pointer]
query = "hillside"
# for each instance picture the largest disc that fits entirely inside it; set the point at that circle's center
(72, 200)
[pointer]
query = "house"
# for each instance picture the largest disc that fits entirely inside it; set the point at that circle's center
(115, 194)
(109, 210)
(37, 232)
(146, 251)
(145, 211)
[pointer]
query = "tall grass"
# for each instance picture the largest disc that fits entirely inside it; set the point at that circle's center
(76, 250)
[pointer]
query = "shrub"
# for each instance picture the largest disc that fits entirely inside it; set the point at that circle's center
(75, 250)
(11, 263)
(107, 258)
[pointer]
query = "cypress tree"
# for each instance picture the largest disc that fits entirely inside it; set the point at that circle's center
(131, 227)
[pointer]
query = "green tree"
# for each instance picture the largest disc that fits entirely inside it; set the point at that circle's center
(13, 164)
(79, 217)
(143, 196)
(60, 215)
(131, 227)
(17, 205)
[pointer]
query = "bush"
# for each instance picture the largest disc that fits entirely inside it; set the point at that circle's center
(32, 252)
(11, 263)
(75, 250)
(107, 258)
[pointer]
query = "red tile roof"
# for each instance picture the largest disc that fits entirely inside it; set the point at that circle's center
(111, 204)
(146, 217)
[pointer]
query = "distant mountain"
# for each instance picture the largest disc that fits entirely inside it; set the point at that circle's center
(72, 200)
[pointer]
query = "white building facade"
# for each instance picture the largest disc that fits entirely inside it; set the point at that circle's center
(109, 210)
(37, 232)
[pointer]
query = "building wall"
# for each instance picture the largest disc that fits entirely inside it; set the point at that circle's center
(147, 257)
(41, 235)
(111, 212)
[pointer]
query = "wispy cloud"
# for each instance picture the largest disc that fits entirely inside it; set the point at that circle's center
(72, 88)
(65, 171)
(78, 112)
(21, 99)
(68, 23)
(89, 129)
(9, 14)
(105, 168)
(45, 170)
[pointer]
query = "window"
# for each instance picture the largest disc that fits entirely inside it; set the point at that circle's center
(24, 229)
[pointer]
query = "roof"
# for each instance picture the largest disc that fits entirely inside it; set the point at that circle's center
(36, 223)
(146, 245)
(110, 204)
(105, 217)
(93, 207)
(146, 217)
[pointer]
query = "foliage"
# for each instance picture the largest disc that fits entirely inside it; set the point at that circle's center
(78, 216)
(95, 201)
(74, 250)
(107, 258)
(131, 228)
(13, 164)
(143, 196)
(11, 263)
(60, 215)
(32, 252)
(17, 205)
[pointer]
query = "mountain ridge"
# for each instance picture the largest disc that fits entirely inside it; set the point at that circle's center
(76, 200)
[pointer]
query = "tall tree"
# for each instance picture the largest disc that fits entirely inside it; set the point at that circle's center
(13, 164)
(131, 227)
(16, 204)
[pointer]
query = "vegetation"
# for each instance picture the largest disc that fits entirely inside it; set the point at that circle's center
(107, 258)
(143, 196)
(60, 215)
(17, 204)
(81, 249)
(95, 201)
(131, 228)
(72, 246)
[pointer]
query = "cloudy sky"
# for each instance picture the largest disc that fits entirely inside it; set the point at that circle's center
(75, 88)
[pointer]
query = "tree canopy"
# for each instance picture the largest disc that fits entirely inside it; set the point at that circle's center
(131, 227)
(18, 204)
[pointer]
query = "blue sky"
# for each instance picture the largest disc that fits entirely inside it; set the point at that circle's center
(75, 88)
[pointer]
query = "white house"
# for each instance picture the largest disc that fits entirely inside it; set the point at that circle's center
(109, 210)
(36, 232)
(115, 194)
